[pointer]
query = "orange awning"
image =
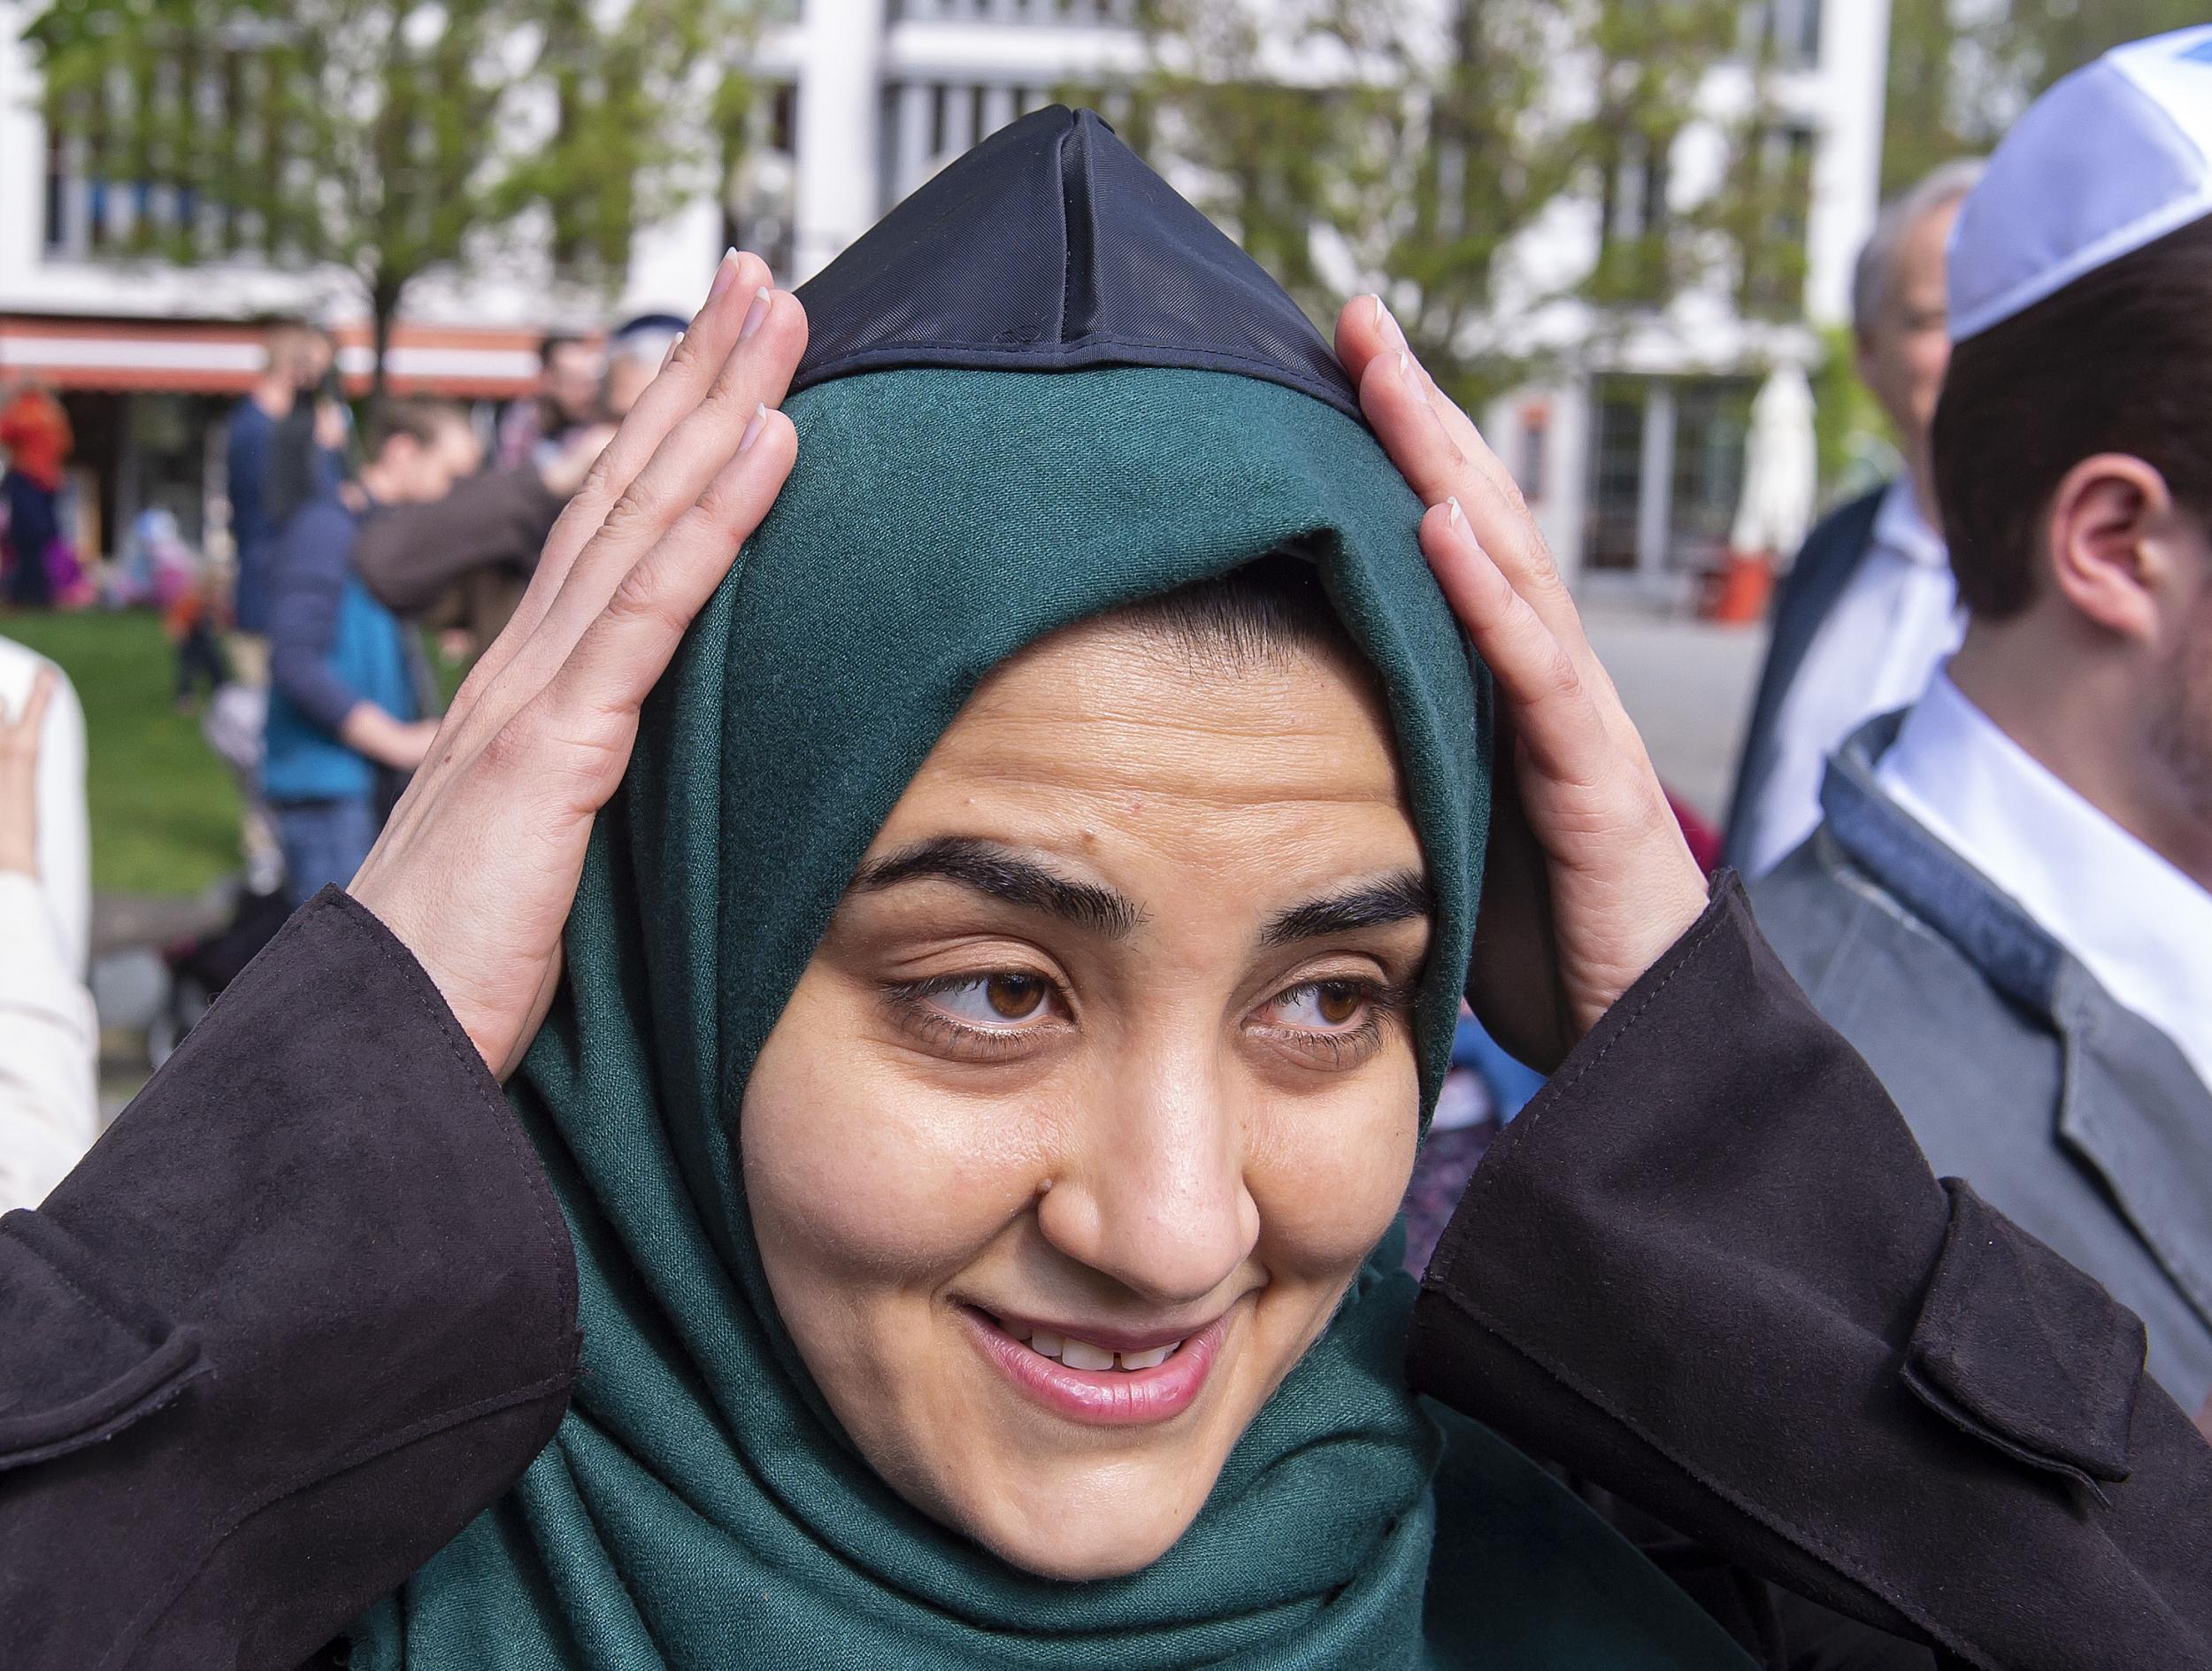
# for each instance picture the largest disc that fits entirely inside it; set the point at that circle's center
(212, 356)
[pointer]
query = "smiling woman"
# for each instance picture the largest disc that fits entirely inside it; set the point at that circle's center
(1118, 1012)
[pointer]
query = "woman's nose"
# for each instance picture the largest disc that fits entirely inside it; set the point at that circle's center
(1151, 1190)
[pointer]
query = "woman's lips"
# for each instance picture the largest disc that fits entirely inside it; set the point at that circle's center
(1110, 1397)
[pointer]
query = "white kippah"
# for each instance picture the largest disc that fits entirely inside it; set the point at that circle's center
(2114, 156)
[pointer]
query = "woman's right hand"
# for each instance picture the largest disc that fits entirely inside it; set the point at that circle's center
(477, 869)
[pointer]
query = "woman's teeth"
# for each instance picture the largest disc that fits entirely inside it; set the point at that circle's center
(1081, 1354)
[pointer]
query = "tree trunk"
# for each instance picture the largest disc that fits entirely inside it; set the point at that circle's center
(384, 298)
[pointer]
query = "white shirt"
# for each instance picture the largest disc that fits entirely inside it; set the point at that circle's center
(49, 1035)
(1896, 620)
(2141, 926)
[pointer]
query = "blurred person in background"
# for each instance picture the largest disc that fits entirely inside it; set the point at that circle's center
(349, 709)
(36, 435)
(538, 428)
(292, 365)
(294, 360)
(635, 350)
(2009, 909)
(460, 564)
(307, 453)
(48, 1034)
(1868, 608)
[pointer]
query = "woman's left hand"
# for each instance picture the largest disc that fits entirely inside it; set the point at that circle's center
(1587, 879)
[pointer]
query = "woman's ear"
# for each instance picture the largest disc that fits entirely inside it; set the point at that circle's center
(2109, 539)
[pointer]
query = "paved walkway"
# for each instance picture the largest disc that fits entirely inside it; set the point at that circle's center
(1687, 685)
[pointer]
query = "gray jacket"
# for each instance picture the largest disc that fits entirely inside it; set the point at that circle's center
(2016, 1070)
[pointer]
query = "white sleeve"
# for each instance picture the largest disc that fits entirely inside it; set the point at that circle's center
(49, 1039)
(65, 851)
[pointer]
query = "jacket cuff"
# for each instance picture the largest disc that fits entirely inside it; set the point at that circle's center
(1707, 1268)
(315, 1243)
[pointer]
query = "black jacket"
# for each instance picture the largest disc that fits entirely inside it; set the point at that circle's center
(309, 1306)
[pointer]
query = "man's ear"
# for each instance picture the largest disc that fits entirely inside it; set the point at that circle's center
(1863, 358)
(2105, 536)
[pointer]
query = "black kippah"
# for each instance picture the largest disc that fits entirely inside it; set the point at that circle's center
(1050, 247)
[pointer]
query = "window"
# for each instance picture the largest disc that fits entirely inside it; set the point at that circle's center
(1781, 191)
(58, 173)
(1633, 255)
(926, 124)
(1666, 470)
(1617, 468)
(1712, 417)
(1785, 32)
(1079, 14)
(1636, 200)
(759, 210)
(1532, 459)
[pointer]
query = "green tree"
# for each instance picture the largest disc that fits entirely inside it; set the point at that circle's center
(1959, 75)
(393, 141)
(1405, 147)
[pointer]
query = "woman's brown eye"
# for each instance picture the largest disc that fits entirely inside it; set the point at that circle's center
(1321, 1005)
(1014, 997)
(1337, 1002)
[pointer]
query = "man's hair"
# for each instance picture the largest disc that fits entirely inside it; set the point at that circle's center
(1874, 278)
(2120, 361)
(417, 416)
(554, 343)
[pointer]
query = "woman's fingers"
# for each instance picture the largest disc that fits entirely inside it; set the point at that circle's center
(1555, 717)
(694, 365)
(627, 647)
(1443, 456)
(1366, 329)
(669, 493)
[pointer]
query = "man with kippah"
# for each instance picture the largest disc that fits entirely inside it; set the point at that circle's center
(2009, 907)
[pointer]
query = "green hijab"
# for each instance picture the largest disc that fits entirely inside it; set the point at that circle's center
(700, 1506)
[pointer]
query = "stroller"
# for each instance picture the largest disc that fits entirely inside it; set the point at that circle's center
(201, 966)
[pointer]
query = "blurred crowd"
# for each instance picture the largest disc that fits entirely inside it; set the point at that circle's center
(1975, 797)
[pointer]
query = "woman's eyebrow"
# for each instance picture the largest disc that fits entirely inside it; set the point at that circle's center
(1394, 898)
(1003, 872)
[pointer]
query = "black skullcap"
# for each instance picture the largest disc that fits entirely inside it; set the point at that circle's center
(1050, 247)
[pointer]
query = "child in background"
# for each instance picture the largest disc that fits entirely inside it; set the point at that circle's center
(183, 585)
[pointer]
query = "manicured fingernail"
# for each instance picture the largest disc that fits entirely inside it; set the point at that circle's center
(752, 429)
(1453, 518)
(725, 276)
(674, 343)
(755, 313)
(1387, 325)
(1407, 370)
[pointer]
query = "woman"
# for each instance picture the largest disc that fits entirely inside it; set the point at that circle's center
(1000, 1005)
(35, 434)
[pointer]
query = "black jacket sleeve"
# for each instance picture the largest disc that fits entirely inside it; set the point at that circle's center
(409, 554)
(305, 1308)
(1707, 1269)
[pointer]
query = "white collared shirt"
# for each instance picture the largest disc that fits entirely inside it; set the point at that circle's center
(1896, 620)
(2140, 925)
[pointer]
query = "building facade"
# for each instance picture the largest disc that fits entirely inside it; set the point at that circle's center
(1630, 447)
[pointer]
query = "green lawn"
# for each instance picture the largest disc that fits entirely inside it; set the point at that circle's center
(165, 812)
